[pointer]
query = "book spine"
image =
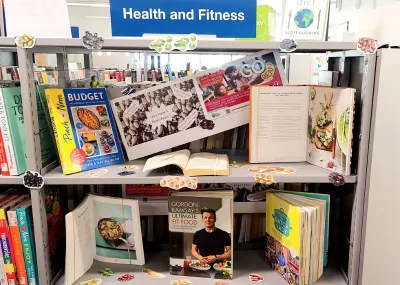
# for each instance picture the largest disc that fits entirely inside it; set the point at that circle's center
(6, 137)
(6, 250)
(17, 247)
(54, 126)
(3, 276)
(26, 233)
(5, 170)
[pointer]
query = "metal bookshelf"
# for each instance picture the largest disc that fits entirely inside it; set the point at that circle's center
(362, 79)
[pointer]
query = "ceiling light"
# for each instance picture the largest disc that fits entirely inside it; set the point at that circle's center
(99, 53)
(109, 53)
(89, 5)
(127, 54)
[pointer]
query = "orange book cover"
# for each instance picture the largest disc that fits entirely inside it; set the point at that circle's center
(17, 247)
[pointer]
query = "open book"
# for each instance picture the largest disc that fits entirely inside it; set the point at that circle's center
(296, 229)
(302, 123)
(105, 229)
(195, 164)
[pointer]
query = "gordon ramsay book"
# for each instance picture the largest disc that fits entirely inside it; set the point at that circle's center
(105, 229)
(200, 226)
(84, 130)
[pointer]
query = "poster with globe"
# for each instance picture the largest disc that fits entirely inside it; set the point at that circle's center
(305, 20)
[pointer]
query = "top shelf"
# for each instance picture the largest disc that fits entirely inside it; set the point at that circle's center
(203, 45)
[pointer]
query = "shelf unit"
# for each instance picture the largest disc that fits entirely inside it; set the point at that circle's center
(339, 54)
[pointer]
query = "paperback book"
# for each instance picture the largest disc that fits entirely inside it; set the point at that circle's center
(13, 140)
(195, 164)
(302, 123)
(104, 229)
(200, 225)
(193, 107)
(296, 227)
(85, 133)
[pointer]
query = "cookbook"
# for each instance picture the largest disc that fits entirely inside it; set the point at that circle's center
(302, 123)
(13, 140)
(200, 225)
(195, 164)
(83, 127)
(295, 230)
(193, 107)
(104, 229)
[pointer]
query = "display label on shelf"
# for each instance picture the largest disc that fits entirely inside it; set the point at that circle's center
(223, 18)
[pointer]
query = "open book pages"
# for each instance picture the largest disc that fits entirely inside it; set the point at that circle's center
(105, 229)
(201, 228)
(302, 123)
(196, 164)
(296, 227)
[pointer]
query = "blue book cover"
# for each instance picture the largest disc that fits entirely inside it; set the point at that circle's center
(24, 214)
(85, 132)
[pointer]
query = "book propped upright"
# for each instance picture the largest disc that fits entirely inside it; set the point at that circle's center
(104, 229)
(302, 123)
(195, 164)
(200, 226)
(296, 228)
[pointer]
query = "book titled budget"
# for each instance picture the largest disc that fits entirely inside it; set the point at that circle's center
(200, 225)
(302, 123)
(83, 127)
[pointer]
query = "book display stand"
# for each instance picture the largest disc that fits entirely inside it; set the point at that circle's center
(358, 71)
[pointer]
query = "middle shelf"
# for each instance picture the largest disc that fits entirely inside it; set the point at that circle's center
(305, 173)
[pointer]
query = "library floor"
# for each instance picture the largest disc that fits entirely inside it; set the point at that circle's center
(245, 262)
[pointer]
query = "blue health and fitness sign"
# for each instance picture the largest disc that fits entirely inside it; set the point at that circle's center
(223, 18)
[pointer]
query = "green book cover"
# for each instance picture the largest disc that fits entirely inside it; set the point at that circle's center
(13, 105)
(265, 24)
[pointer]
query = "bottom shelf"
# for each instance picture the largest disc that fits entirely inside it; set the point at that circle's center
(245, 262)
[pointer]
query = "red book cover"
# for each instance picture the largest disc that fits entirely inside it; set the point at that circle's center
(5, 171)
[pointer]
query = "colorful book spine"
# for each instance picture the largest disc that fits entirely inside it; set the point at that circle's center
(6, 138)
(6, 250)
(3, 276)
(5, 171)
(53, 123)
(17, 246)
(27, 239)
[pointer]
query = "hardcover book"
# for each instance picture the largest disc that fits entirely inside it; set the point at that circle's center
(13, 132)
(104, 229)
(302, 123)
(85, 132)
(193, 107)
(296, 229)
(200, 225)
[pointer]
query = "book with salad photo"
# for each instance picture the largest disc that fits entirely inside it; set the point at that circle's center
(200, 225)
(302, 123)
(104, 229)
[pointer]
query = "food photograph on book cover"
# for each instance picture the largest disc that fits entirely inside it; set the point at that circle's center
(227, 90)
(330, 120)
(114, 232)
(200, 229)
(159, 113)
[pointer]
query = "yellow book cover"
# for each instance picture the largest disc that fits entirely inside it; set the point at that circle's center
(83, 127)
(283, 229)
